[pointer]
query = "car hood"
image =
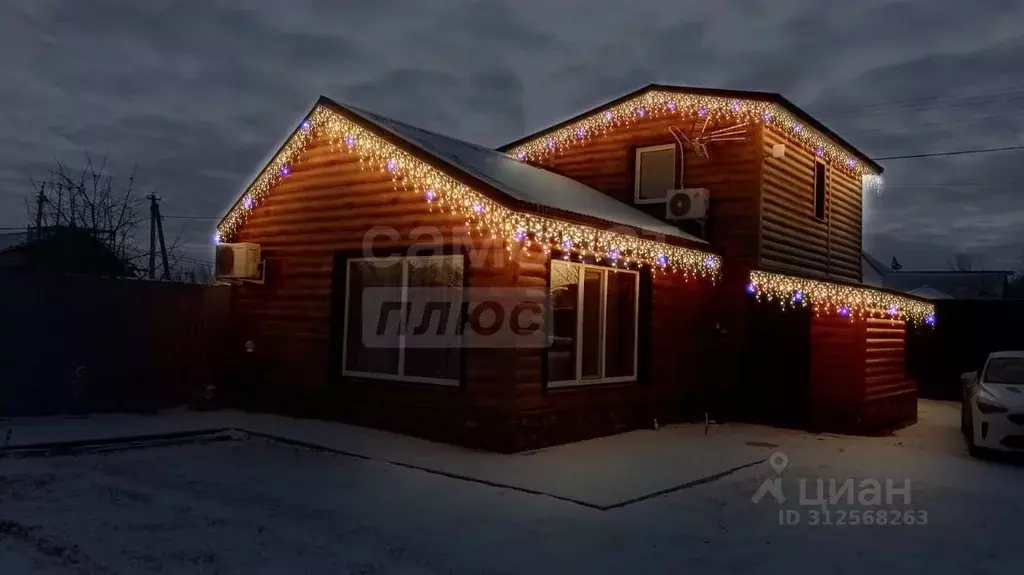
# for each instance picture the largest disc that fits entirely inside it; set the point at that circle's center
(1009, 395)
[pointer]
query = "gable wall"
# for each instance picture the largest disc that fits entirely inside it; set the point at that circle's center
(328, 204)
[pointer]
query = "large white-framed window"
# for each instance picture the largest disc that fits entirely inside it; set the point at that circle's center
(392, 359)
(655, 173)
(594, 315)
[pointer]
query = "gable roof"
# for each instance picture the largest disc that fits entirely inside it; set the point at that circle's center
(939, 284)
(12, 240)
(64, 250)
(522, 182)
(511, 198)
(874, 263)
(782, 104)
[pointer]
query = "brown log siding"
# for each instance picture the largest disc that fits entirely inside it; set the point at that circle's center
(793, 240)
(326, 206)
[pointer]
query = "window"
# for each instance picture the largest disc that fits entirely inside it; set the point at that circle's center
(819, 190)
(1009, 370)
(594, 325)
(389, 357)
(655, 173)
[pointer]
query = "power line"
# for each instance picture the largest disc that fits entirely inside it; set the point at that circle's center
(173, 217)
(951, 153)
(920, 125)
(932, 102)
(979, 185)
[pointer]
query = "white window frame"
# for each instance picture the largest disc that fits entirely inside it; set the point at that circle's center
(400, 376)
(580, 380)
(637, 171)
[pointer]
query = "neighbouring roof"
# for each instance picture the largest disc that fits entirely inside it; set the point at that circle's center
(956, 284)
(875, 264)
(939, 284)
(8, 241)
(520, 181)
(784, 106)
(929, 292)
(872, 271)
(64, 250)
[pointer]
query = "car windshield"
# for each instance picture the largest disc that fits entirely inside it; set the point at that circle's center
(1005, 370)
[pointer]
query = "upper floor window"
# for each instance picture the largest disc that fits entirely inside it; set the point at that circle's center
(655, 173)
(819, 190)
(594, 325)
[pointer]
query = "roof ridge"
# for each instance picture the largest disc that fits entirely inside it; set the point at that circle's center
(414, 127)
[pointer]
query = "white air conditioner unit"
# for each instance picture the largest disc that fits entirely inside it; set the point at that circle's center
(238, 261)
(688, 204)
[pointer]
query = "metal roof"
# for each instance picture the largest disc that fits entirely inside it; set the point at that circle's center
(520, 181)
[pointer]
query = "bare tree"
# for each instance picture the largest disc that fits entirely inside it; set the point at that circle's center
(91, 200)
(94, 201)
(1015, 285)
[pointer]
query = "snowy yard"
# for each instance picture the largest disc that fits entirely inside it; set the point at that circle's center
(245, 504)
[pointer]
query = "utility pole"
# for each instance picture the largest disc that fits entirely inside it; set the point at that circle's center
(153, 211)
(40, 202)
(156, 227)
(163, 246)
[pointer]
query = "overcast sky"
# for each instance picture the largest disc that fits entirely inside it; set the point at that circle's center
(198, 93)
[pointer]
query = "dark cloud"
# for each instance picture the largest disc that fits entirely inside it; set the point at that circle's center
(198, 93)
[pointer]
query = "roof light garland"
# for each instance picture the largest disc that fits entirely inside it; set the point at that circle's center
(444, 192)
(659, 104)
(839, 299)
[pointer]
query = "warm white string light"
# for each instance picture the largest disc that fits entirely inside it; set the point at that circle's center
(446, 193)
(661, 104)
(839, 299)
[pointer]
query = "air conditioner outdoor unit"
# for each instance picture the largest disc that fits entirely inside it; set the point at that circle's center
(238, 261)
(687, 204)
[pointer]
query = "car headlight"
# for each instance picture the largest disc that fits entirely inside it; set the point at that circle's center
(990, 407)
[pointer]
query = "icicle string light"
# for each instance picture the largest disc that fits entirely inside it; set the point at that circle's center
(838, 299)
(660, 104)
(444, 192)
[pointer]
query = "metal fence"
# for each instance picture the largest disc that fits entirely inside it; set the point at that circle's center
(73, 344)
(965, 332)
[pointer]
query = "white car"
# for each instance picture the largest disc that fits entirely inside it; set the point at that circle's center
(992, 414)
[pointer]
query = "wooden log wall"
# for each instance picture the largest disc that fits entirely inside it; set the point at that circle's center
(677, 355)
(837, 373)
(328, 204)
(732, 175)
(890, 391)
(792, 239)
(859, 380)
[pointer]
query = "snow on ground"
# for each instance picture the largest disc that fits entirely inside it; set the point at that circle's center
(254, 506)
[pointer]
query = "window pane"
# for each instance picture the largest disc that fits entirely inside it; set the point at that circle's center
(620, 325)
(819, 190)
(592, 328)
(565, 281)
(435, 280)
(363, 274)
(657, 174)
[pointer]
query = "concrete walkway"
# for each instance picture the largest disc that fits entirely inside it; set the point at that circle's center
(602, 473)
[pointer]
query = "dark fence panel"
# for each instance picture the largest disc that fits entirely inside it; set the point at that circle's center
(966, 331)
(77, 343)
